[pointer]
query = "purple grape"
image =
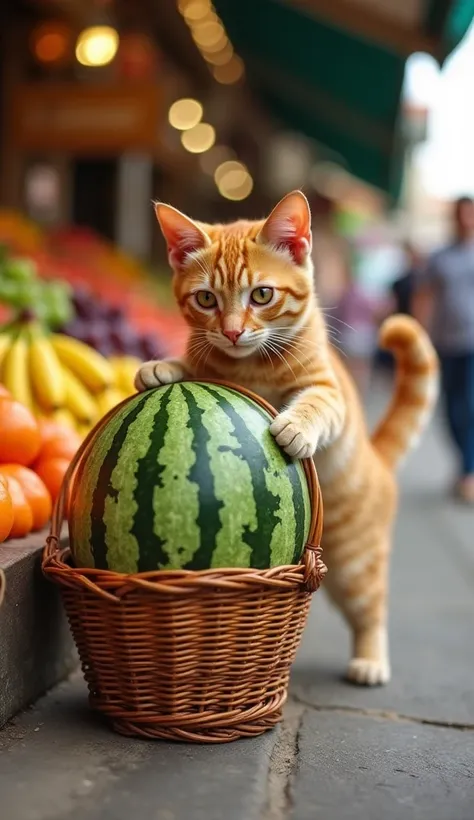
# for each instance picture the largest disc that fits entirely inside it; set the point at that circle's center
(86, 305)
(105, 347)
(115, 315)
(124, 339)
(150, 347)
(78, 328)
(97, 335)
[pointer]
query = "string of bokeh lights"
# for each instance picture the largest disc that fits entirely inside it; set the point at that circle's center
(232, 178)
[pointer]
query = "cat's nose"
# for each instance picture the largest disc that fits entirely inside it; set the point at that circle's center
(233, 335)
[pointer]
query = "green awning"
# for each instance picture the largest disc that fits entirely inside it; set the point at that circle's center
(335, 83)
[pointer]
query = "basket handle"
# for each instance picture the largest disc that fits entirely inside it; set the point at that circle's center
(314, 568)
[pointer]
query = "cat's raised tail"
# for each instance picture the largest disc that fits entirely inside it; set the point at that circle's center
(416, 388)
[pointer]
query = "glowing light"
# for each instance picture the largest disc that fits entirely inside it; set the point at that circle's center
(196, 10)
(97, 46)
(209, 34)
(229, 73)
(51, 42)
(211, 39)
(233, 180)
(228, 167)
(221, 57)
(237, 193)
(185, 114)
(215, 47)
(199, 139)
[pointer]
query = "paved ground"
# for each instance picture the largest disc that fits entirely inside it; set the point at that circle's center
(404, 751)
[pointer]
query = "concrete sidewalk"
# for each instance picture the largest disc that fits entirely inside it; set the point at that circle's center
(403, 751)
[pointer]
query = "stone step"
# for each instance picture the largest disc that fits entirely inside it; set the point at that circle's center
(36, 648)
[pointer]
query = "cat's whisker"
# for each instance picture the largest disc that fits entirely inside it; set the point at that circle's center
(207, 355)
(339, 348)
(206, 350)
(340, 321)
(336, 334)
(198, 350)
(278, 353)
(296, 343)
(296, 358)
(263, 349)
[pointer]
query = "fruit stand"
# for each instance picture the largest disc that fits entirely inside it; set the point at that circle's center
(76, 318)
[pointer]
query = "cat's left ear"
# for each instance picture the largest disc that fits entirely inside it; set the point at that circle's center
(289, 227)
(183, 236)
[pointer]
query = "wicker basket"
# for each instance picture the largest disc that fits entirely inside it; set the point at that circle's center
(193, 656)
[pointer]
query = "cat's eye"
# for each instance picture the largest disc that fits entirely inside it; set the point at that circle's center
(261, 296)
(206, 299)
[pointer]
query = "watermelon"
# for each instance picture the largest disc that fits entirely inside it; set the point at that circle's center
(188, 476)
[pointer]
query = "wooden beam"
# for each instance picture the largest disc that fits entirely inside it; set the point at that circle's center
(368, 24)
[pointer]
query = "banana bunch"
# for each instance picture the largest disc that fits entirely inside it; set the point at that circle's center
(62, 378)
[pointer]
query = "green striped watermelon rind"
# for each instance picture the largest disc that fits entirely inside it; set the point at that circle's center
(232, 528)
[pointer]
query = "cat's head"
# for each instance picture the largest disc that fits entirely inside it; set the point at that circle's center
(245, 286)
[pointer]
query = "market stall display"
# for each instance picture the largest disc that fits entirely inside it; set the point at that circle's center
(34, 457)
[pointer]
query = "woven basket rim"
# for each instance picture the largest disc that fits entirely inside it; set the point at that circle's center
(113, 585)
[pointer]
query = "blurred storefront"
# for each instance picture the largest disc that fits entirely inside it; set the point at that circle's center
(108, 104)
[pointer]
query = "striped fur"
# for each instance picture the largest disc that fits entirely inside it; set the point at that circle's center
(281, 350)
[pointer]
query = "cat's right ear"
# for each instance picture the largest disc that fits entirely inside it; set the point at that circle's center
(182, 235)
(288, 227)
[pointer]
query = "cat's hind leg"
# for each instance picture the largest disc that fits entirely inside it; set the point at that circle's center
(357, 581)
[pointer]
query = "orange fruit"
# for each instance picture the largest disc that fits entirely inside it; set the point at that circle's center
(22, 513)
(35, 490)
(57, 441)
(6, 509)
(52, 471)
(20, 438)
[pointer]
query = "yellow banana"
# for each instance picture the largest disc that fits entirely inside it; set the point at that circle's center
(85, 363)
(107, 399)
(5, 342)
(46, 374)
(78, 400)
(125, 369)
(83, 430)
(15, 371)
(62, 416)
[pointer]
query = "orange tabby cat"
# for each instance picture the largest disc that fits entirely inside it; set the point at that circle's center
(246, 291)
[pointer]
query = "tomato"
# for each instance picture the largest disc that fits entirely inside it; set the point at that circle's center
(36, 492)
(20, 438)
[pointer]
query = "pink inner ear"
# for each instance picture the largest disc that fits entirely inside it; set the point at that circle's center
(288, 227)
(289, 238)
(183, 242)
(299, 248)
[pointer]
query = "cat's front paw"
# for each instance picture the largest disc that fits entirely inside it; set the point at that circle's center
(155, 374)
(296, 436)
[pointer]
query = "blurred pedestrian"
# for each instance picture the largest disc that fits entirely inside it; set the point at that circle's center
(357, 316)
(403, 288)
(444, 303)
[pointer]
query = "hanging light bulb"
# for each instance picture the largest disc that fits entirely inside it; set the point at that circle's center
(97, 46)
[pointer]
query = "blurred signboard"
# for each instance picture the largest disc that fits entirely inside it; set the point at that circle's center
(83, 119)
